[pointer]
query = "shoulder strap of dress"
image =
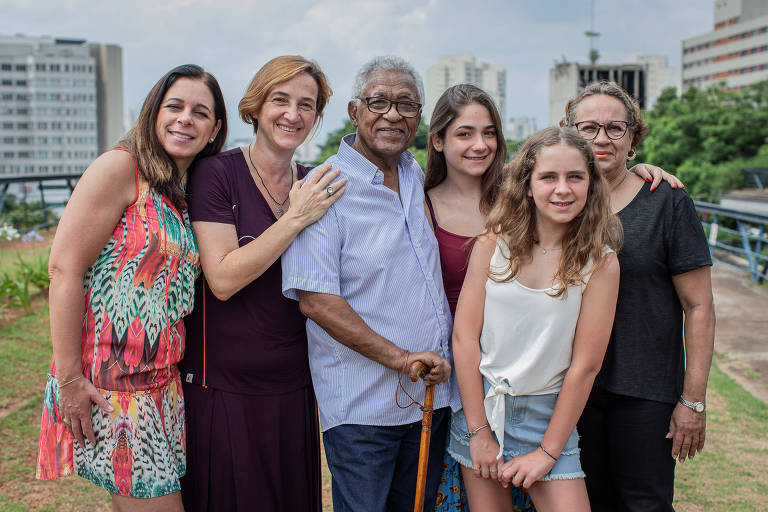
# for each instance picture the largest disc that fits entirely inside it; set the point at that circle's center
(431, 209)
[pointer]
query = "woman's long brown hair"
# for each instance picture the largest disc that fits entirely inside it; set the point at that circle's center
(155, 165)
(447, 109)
(513, 217)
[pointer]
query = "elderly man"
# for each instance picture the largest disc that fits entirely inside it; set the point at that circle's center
(367, 275)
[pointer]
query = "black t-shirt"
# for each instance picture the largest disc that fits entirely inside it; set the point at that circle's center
(663, 237)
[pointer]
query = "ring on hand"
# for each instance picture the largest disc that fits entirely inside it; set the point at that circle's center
(66, 421)
(330, 191)
(493, 470)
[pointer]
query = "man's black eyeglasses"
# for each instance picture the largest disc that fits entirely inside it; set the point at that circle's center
(379, 105)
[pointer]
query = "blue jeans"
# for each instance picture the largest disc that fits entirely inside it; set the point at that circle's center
(374, 468)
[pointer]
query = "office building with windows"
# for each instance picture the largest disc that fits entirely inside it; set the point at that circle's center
(464, 69)
(735, 52)
(49, 105)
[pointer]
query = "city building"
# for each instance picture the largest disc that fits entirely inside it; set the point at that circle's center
(643, 80)
(735, 52)
(520, 128)
(109, 94)
(464, 69)
(659, 77)
(567, 79)
(58, 98)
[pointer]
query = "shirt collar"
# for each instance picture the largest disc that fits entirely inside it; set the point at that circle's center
(362, 165)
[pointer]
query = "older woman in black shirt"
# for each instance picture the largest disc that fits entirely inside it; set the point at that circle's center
(647, 408)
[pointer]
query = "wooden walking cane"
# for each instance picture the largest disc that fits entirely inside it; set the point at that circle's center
(419, 369)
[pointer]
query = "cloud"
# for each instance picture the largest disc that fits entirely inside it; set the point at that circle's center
(234, 38)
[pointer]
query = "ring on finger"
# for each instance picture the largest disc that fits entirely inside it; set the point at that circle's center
(493, 470)
(66, 421)
(330, 190)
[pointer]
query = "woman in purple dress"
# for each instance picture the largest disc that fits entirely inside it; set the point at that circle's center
(252, 437)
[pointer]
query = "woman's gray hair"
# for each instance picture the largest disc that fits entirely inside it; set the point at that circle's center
(386, 63)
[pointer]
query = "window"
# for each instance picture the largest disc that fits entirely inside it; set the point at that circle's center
(39, 66)
(21, 83)
(7, 82)
(23, 140)
(6, 67)
(7, 140)
(7, 96)
(8, 154)
(21, 67)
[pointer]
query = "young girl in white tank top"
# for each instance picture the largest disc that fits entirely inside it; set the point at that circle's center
(532, 325)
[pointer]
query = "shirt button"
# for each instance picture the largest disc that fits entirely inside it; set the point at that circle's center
(429, 277)
(440, 311)
(416, 244)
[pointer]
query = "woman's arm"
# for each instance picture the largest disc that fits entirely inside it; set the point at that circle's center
(687, 428)
(593, 330)
(228, 267)
(102, 194)
(466, 355)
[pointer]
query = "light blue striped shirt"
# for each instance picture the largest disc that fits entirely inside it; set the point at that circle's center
(380, 255)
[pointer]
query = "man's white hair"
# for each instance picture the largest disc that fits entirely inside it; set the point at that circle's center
(386, 63)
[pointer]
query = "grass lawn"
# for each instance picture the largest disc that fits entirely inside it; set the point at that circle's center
(729, 476)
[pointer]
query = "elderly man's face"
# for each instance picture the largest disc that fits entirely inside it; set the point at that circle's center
(385, 136)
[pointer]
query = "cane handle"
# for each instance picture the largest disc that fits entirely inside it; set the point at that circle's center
(417, 369)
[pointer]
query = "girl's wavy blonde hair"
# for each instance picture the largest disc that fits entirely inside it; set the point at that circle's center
(513, 216)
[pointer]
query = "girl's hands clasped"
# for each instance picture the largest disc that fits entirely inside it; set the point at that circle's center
(526, 469)
(483, 449)
(311, 197)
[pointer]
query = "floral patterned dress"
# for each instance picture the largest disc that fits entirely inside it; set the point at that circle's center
(136, 294)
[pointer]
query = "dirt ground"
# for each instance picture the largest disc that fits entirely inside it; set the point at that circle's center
(741, 334)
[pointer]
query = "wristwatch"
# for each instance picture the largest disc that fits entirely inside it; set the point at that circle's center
(695, 406)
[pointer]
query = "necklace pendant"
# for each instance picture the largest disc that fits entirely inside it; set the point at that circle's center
(279, 213)
(544, 251)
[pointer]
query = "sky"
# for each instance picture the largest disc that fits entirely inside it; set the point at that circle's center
(233, 38)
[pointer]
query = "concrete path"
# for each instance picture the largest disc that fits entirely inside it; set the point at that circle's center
(741, 334)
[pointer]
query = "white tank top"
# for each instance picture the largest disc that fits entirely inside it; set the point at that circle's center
(526, 341)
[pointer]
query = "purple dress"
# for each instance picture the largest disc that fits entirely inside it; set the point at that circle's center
(252, 429)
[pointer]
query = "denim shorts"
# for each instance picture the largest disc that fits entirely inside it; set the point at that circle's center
(527, 418)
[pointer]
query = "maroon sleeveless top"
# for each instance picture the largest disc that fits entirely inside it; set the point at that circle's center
(454, 256)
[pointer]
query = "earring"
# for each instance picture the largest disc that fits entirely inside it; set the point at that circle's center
(211, 141)
(631, 155)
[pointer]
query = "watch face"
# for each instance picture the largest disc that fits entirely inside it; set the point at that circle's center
(699, 407)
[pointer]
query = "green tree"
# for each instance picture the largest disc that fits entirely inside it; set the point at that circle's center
(707, 136)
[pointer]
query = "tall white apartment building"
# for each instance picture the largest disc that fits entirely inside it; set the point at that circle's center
(735, 52)
(49, 105)
(465, 69)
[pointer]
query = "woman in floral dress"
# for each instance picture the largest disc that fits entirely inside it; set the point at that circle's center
(122, 267)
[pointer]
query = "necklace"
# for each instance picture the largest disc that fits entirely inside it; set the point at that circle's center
(280, 211)
(547, 251)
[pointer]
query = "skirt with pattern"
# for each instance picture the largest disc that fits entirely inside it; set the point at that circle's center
(140, 446)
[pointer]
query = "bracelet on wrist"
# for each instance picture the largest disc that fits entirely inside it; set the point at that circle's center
(550, 455)
(475, 431)
(70, 381)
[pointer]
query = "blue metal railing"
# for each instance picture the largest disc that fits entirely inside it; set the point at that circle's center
(748, 241)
